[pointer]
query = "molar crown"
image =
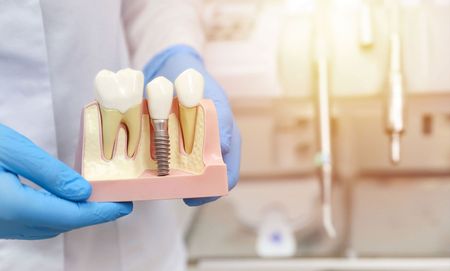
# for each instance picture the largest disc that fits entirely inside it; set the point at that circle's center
(120, 97)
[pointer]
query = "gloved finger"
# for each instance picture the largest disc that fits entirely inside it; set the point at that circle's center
(24, 232)
(233, 158)
(199, 201)
(58, 213)
(42, 237)
(20, 156)
(24, 205)
(31, 237)
(215, 92)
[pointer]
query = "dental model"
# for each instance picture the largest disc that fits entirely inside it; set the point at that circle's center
(189, 86)
(160, 96)
(120, 97)
(124, 148)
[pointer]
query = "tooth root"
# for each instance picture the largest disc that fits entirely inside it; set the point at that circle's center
(111, 120)
(133, 119)
(188, 118)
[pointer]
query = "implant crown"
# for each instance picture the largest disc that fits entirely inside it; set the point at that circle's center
(160, 96)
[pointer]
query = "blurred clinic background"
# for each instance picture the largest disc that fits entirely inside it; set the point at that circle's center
(344, 108)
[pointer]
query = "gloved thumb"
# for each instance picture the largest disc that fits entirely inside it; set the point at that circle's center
(21, 156)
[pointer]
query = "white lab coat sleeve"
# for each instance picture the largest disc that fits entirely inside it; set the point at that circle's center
(153, 25)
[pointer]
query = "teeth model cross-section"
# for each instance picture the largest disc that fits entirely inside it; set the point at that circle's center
(120, 98)
(160, 96)
(189, 86)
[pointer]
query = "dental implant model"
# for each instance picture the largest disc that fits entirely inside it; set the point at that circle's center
(129, 153)
(189, 86)
(120, 100)
(160, 96)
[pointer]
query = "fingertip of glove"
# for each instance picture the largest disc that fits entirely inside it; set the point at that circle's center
(77, 189)
(233, 136)
(93, 213)
(125, 208)
(117, 210)
(232, 180)
(194, 202)
(225, 144)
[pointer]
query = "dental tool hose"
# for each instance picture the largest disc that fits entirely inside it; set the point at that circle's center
(395, 100)
(325, 144)
(324, 130)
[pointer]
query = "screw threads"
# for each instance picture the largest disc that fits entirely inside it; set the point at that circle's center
(162, 146)
(162, 154)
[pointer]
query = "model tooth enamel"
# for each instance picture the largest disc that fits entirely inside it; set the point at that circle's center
(120, 97)
(160, 96)
(189, 86)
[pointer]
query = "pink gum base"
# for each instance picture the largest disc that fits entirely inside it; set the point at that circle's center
(212, 181)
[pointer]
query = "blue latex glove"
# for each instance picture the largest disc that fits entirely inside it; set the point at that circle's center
(173, 61)
(27, 213)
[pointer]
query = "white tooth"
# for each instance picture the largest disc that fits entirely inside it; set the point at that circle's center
(189, 85)
(121, 90)
(120, 98)
(160, 96)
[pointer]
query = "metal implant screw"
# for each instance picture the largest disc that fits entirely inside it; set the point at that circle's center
(162, 146)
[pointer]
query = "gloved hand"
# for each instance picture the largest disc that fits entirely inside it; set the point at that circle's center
(173, 61)
(27, 213)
